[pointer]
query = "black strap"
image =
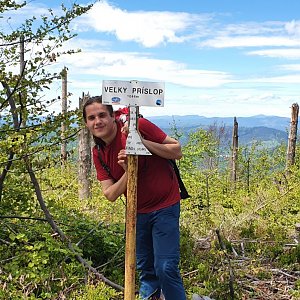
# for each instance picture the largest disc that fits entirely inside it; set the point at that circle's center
(183, 192)
(103, 164)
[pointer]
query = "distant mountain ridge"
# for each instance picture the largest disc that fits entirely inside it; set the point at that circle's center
(188, 121)
(270, 130)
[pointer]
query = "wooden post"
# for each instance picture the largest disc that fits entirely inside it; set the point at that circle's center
(64, 111)
(234, 151)
(84, 158)
(291, 150)
(130, 248)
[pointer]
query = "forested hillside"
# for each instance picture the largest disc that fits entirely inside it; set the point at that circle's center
(269, 131)
(239, 238)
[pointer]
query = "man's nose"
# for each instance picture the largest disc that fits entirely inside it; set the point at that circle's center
(98, 120)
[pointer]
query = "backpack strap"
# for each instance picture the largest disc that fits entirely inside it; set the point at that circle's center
(183, 192)
(103, 164)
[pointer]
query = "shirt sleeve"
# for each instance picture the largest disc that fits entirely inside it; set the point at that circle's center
(150, 131)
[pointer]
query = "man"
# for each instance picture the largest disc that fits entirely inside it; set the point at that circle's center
(158, 203)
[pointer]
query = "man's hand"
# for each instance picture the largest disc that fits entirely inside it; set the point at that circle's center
(122, 159)
(125, 129)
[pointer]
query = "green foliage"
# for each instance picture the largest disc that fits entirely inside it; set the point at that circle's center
(99, 292)
(34, 261)
(260, 209)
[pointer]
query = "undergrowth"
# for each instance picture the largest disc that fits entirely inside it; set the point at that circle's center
(256, 229)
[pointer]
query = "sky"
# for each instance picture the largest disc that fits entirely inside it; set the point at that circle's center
(217, 58)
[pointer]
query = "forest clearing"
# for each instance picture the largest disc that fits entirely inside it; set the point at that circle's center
(61, 239)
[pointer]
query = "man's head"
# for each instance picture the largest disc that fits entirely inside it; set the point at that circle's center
(95, 99)
(99, 119)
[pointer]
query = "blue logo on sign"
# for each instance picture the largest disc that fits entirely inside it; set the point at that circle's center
(158, 102)
(115, 100)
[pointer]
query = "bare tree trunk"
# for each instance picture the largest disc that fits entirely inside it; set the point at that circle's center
(291, 150)
(234, 151)
(84, 158)
(10, 95)
(22, 55)
(64, 111)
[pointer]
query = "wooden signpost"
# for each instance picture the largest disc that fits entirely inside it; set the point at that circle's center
(132, 94)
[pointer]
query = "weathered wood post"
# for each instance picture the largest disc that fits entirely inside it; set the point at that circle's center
(84, 158)
(131, 208)
(22, 75)
(133, 94)
(234, 156)
(291, 150)
(22, 52)
(64, 105)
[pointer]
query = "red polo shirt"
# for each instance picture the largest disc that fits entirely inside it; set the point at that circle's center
(157, 185)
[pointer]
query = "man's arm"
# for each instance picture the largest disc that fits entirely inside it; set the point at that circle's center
(112, 190)
(169, 149)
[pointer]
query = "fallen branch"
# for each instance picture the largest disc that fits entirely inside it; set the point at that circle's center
(231, 276)
(24, 218)
(283, 273)
(5, 242)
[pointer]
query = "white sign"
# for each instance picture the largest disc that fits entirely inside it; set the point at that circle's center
(134, 143)
(133, 93)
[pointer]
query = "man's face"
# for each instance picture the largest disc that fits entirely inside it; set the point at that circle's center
(99, 122)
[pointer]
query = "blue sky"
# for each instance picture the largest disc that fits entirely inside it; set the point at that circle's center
(217, 57)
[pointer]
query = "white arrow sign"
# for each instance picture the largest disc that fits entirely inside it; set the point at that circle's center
(134, 143)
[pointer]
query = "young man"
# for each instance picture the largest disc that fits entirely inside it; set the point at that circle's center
(158, 203)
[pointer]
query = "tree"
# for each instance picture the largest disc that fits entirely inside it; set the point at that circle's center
(30, 134)
(27, 125)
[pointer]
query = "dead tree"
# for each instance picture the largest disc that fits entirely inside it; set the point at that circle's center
(64, 111)
(234, 156)
(291, 150)
(84, 158)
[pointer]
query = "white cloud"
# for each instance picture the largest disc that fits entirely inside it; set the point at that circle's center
(149, 28)
(293, 53)
(288, 79)
(293, 27)
(237, 103)
(142, 67)
(254, 34)
(250, 41)
(290, 67)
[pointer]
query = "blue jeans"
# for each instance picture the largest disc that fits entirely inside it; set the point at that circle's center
(157, 252)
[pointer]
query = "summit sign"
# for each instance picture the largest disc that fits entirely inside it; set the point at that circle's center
(133, 93)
